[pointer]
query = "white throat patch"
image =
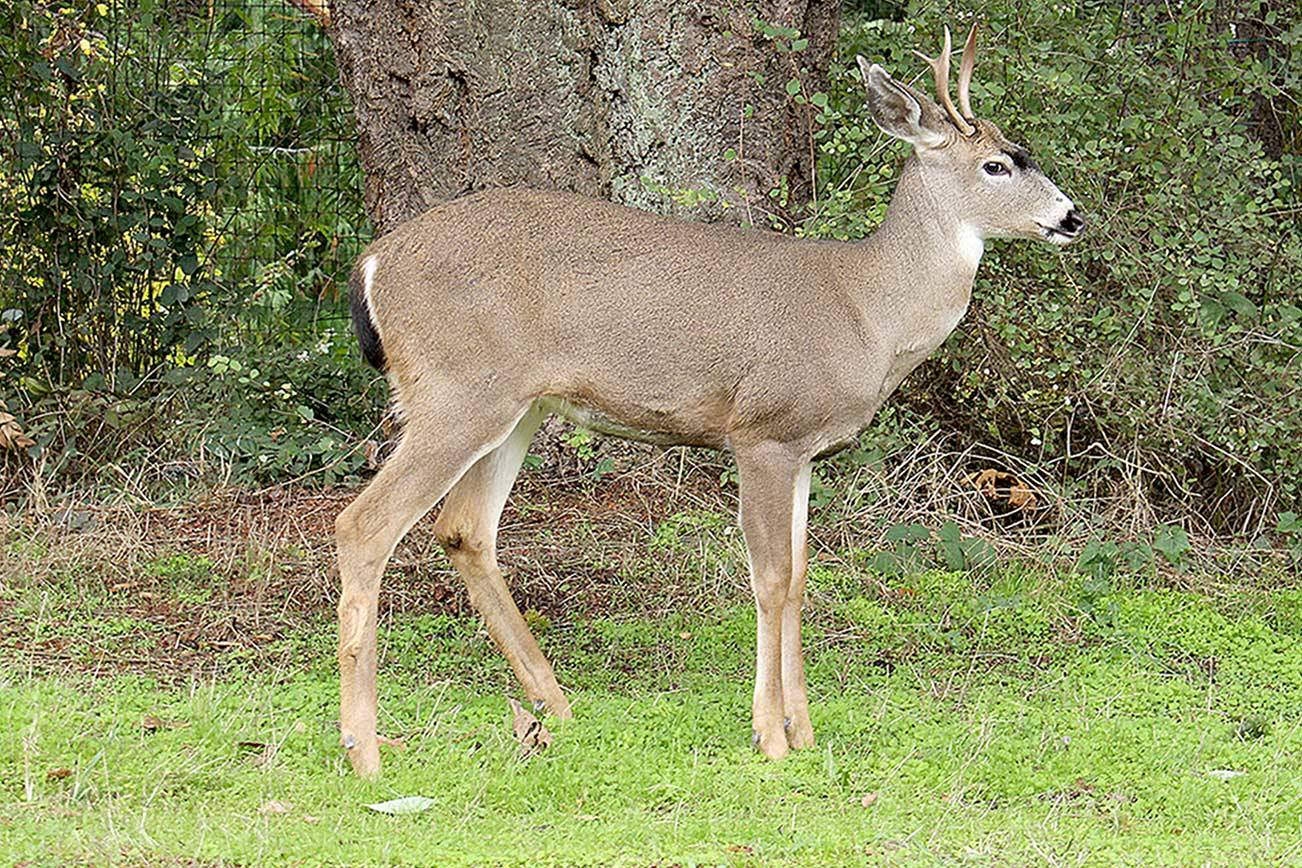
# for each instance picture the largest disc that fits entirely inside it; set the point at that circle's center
(970, 244)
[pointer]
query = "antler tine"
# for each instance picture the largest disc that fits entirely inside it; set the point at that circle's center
(940, 69)
(965, 75)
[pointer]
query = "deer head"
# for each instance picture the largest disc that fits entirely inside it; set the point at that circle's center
(985, 181)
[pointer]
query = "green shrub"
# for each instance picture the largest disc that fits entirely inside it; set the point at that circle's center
(1163, 348)
(171, 216)
(182, 190)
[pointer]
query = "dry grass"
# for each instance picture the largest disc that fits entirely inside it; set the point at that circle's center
(570, 545)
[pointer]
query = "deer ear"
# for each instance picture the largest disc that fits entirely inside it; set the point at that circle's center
(900, 110)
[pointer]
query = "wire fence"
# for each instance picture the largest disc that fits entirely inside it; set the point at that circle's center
(177, 178)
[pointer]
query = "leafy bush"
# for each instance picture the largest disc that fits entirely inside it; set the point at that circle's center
(284, 414)
(1157, 359)
(182, 189)
(164, 220)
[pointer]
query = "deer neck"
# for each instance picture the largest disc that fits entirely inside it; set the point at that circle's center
(923, 260)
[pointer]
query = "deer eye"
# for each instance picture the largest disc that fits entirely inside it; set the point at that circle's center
(994, 167)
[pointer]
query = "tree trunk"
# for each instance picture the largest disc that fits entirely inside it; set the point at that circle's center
(677, 106)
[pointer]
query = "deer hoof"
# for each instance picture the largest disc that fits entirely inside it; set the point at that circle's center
(774, 746)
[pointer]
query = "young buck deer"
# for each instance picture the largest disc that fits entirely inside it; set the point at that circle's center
(492, 311)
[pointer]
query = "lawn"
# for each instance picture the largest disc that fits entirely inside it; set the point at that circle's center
(1018, 715)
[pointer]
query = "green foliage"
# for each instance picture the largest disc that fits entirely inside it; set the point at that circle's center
(913, 547)
(1172, 543)
(285, 413)
(682, 530)
(182, 191)
(1168, 338)
(584, 445)
(963, 554)
(1098, 560)
(904, 553)
(1290, 527)
(106, 262)
(980, 733)
(1101, 559)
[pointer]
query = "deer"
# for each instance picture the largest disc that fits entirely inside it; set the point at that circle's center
(490, 312)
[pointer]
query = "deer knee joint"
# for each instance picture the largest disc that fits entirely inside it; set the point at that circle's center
(771, 595)
(458, 541)
(451, 540)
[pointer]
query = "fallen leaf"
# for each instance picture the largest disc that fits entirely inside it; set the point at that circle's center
(275, 807)
(740, 848)
(984, 481)
(868, 800)
(395, 743)
(153, 723)
(58, 774)
(308, 818)
(1225, 774)
(1001, 485)
(1020, 496)
(405, 805)
(12, 435)
(529, 731)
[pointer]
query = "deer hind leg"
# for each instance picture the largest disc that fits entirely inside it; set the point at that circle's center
(795, 700)
(769, 477)
(431, 457)
(467, 528)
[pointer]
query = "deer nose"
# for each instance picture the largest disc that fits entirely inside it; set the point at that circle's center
(1073, 223)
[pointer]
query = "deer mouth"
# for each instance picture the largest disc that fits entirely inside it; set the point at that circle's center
(1054, 235)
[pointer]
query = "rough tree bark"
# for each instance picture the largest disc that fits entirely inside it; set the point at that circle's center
(630, 100)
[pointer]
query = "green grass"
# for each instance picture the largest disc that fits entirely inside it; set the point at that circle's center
(1016, 719)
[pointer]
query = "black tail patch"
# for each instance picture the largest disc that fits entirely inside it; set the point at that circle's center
(363, 327)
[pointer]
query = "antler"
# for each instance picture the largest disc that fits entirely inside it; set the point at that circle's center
(965, 75)
(940, 69)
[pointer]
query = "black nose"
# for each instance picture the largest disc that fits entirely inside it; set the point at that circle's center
(1074, 222)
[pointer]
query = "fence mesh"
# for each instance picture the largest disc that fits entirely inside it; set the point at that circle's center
(178, 177)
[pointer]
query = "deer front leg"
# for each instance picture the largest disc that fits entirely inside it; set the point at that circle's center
(795, 701)
(769, 477)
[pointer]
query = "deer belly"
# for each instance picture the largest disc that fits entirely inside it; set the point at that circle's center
(647, 428)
